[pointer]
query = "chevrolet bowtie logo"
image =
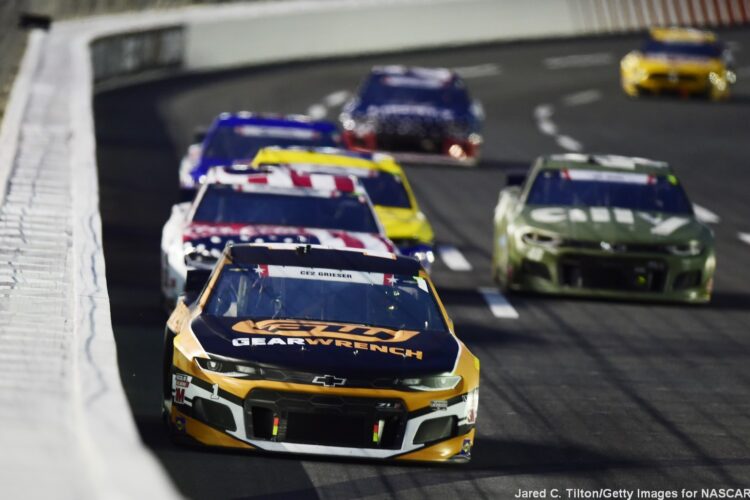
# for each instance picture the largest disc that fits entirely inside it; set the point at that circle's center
(329, 380)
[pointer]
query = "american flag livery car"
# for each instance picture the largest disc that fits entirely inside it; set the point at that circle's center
(287, 207)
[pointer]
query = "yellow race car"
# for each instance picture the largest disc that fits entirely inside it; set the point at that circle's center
(385, 183)
(681, 61)
(306, 349)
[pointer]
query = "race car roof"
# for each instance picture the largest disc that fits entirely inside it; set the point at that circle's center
(274, 120)
(682, 35)
(326, 157)
(443, 75)
(606, 163)
(285, 254)
(288, 179)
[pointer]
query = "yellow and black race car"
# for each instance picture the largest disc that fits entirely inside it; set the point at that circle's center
(679, 61)
(305, 349)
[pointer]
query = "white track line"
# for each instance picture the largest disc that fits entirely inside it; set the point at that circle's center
(582, 97)
(578, 61)
(705, 215)
(319, 110)
(569, 143)
(744, 237)
(478, 71)
(499, 305)
(543, 115)
(453, 258)
(336, 98)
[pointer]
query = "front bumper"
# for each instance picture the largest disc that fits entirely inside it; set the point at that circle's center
(293, 418)
(634, 276)
(683, 84)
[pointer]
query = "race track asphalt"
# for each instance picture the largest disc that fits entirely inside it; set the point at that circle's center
(575, 393)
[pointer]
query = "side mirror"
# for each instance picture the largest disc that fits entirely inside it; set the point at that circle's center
(515, 178)
(477, 109)
(199, 134)
(194, 282)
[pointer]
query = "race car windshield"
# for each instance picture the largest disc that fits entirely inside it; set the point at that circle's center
(386, 190)
(707, 50)
(393, 90)
(237, 142)
(345, 212)
(362, 298)
(592, 188)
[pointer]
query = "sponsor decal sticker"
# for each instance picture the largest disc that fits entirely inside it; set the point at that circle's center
(601, 176)
(307, 332)
(439, 405)
(180, 424)
(329, 380)
(275, 132)
(181, 383)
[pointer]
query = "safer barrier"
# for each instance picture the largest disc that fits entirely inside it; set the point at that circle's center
(65, 426)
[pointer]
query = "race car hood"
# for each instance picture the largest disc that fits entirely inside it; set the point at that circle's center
(407, 119)
(338, 349)
(613, 225)
(404, 223)
(216, 236)
(655, 62)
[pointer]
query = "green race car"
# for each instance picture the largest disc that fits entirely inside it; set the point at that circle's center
(602, 226)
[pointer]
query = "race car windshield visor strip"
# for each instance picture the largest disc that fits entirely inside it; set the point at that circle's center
(235, 143)
(323, 257)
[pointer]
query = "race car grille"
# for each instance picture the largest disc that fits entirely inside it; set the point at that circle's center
(314, 418)
(615, 273)
(674, 77)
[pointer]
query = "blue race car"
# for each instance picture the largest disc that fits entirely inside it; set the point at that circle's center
(238, 136)
(411, 112)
